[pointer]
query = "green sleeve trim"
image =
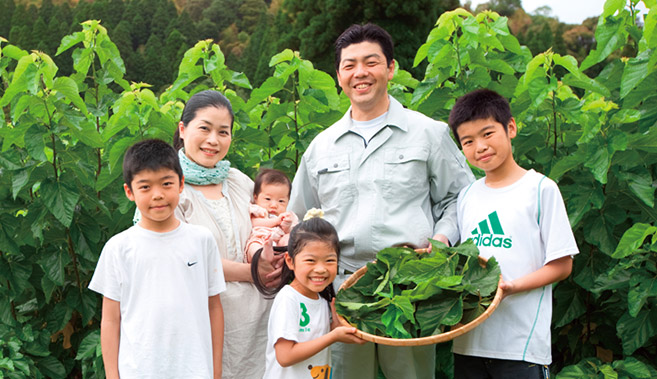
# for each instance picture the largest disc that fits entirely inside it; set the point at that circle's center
(538, 218)
(531, 333)
(468, 189)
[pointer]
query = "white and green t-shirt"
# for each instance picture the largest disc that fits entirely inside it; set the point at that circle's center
(524, 226)
(295, 317)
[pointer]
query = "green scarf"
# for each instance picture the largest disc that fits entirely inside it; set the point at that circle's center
(199, 175)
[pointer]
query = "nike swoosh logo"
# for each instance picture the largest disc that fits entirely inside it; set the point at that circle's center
(190, 264)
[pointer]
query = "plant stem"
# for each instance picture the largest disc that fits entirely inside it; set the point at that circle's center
(13, 306)
(296, 118)
(554, 115)
(52, 139)
(98, 155)
(54, 155)
(71, 250)
(458, 55)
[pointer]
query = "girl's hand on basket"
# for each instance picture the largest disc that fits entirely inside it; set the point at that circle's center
(335, 322)
(346, 334)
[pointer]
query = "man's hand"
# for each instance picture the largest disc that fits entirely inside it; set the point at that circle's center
(440, 237)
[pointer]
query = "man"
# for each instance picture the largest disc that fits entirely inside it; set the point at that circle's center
(383, 175)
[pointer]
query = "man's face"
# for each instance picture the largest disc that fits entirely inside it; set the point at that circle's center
(363, 74)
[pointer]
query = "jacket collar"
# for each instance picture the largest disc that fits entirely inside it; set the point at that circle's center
(396, 117)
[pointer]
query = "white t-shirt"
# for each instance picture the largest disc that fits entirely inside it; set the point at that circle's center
(367, 129)
(162, 281)
(297, 318)
(524, 225)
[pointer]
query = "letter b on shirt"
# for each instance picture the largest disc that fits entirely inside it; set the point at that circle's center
(305, 317)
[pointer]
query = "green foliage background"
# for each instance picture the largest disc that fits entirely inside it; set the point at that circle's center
(591, 126)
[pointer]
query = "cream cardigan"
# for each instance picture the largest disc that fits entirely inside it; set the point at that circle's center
(246, 312)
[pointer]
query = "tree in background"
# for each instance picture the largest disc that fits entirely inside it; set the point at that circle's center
(165, 14)
(183, 23)
(250, 12)
(21, 26)
(233, 42)
(195, 8)
(580, 39)
(222, 13)
(503, 7)
(115, 10)
(39, 31)
(541, 31)
(251, 31)
(174, 46)
(261, 44)
(45, 10)
(156, 70)
(312, 26)
(6, 11)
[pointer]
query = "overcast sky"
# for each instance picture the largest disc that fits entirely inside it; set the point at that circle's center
(568, 11)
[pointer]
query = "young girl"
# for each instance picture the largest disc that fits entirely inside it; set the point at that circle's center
(269, 215)
(300, 327)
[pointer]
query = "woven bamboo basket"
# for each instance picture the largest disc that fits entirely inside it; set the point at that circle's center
(456, 330)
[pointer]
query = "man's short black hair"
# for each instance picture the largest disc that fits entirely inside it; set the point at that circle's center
(479, 105)
(361, 33)
(151, 155)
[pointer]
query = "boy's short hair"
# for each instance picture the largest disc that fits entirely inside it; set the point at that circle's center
(478, 105)
(152, 155)
(361, 33)
(271, 176)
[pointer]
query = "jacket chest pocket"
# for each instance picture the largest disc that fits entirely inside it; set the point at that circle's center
(405, 170)
(333, 181)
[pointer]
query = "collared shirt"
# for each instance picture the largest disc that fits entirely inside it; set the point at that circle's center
(400, 187)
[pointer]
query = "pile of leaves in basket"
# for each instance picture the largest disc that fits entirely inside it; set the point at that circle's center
(409, 294)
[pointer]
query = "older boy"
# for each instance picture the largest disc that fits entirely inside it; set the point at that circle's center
(383, 175)
(160, 280)
(517, 216)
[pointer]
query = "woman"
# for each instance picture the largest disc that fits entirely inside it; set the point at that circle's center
(217, 196)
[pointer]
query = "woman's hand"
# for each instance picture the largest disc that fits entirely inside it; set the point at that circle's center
(270, 265)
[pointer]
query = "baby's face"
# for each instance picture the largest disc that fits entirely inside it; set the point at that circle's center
(273, 197)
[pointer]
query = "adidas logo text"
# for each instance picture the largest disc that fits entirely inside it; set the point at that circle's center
(489, 233)
(490, 240)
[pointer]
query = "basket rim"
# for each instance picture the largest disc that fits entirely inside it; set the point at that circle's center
(436, 338)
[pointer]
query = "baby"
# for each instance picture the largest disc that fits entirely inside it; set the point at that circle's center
(269, 215)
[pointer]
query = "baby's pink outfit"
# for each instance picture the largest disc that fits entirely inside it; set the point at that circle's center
(260, 233)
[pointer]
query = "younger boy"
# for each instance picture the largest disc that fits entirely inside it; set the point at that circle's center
(269, 215)
(517, 216)
(160, 280)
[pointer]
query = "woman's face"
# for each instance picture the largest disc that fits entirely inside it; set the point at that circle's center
(207, 137)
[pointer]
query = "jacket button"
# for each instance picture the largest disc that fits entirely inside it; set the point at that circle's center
(401, 156)
(335, 165)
